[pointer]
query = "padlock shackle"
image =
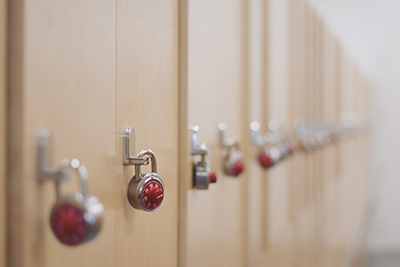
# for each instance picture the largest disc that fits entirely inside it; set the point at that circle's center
(82, 174)
(231, 143)
(59, 174)
(45, 172)
(153, 160)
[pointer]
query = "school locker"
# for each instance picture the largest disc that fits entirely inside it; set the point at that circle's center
(86, 70)
(3, 129)
(217, 77)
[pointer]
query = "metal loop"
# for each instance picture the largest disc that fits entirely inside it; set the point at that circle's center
(82, 174)
(45, 172)
(152, 156)
(231, 143)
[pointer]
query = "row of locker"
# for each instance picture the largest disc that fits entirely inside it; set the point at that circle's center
(77, 218)
(87, 69)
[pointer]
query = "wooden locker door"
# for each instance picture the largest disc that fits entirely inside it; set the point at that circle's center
(3, 131)
(329, 160)
(297, 193)
(279, 232)
(62, 78)
(85, 70)
(147, 99)
(257, 226)
(217, 84)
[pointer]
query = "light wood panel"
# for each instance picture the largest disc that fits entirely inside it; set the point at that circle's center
(320, 214)
(297, 110)
(62, 77)
(257, 211)
(147, 98)
(3, 132)
(319, 238)
(184, 164)
(85, 70)
(329, 153)
(278, 108)
(297, 95)
(217, 93)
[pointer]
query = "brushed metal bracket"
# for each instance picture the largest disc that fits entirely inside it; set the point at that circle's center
(256, 137)
(45, 172)
(195, 147)
(128, 159)
(230, 143)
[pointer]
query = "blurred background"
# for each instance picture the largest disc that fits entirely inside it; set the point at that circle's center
(370, 31)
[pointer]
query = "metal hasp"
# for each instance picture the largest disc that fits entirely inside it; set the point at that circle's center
(276, 144)
(233, 163)
(75, 218)
(45, 172)
(314, 135)
(128, 159)
(202, 175)
(145, 190)
(256, 137)
(194, 137)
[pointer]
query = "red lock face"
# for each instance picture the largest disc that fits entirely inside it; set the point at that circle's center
(152, 195)
(266, 161)
(147, 193)
(234, 165)
(69, 225)
(237, 168)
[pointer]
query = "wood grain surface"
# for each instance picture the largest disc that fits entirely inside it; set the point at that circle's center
(87, 69)
(147, 99)
(84, 74)
(217, 86)
(3, 132)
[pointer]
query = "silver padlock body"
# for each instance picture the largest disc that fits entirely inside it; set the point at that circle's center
(283, 150)
(230, 160)
(200, 175)
(274, 153)
(135, 190)
(91, 207)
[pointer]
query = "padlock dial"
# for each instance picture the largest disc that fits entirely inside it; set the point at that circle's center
(152, 195)
(234, 164)
(69, 224)
(237, 168)
(147, 193)
(266, 161)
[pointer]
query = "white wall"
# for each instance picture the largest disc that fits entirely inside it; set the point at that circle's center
(370, 32)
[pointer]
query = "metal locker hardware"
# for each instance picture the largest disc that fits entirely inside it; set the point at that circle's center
(314, 135)
(75, 218)
(350, 123)
(303, 134)
(265, 158)
(202, 175)
(277, 143)
(233, 163)
(256, 137)
(145, 190)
